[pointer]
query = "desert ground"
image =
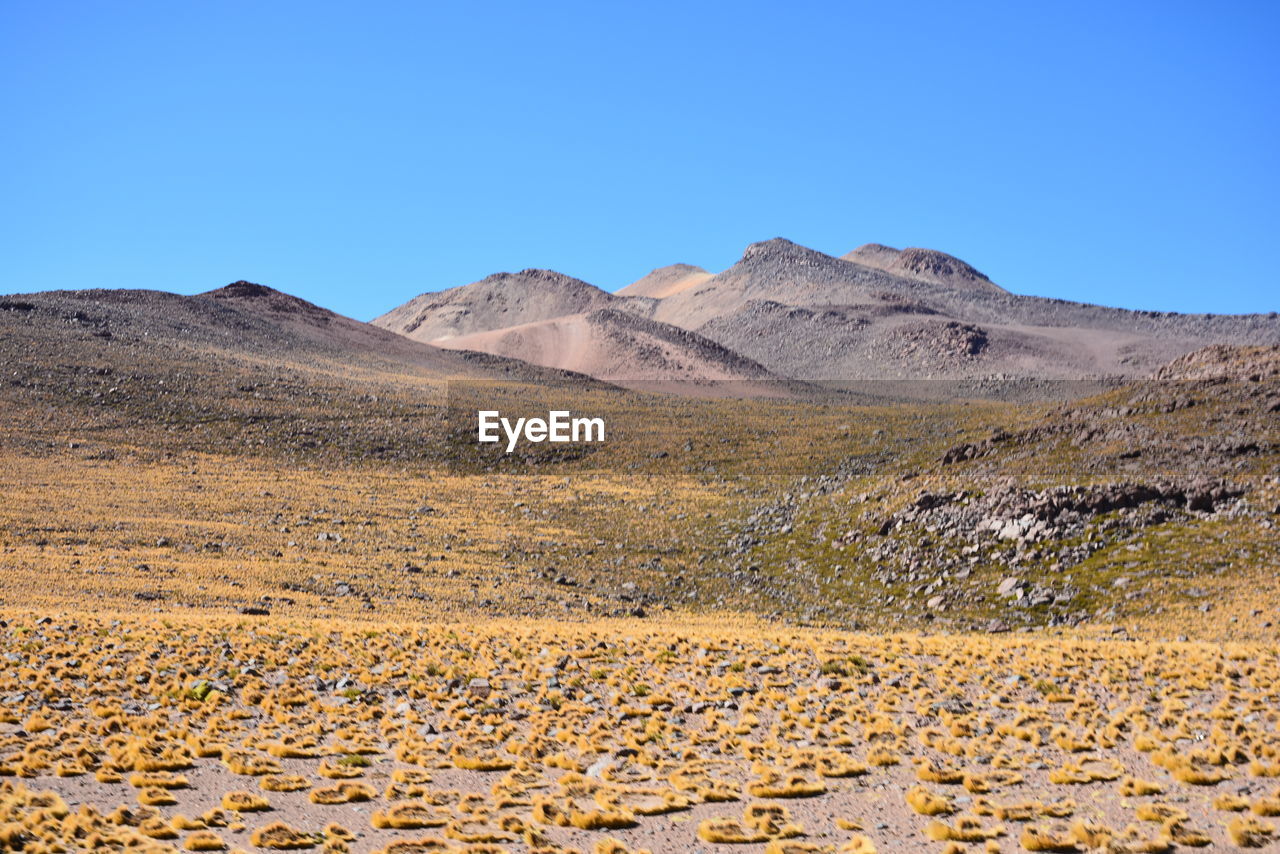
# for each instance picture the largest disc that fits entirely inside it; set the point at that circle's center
(264, 596)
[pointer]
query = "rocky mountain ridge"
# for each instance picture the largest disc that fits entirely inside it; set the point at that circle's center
(875, 313)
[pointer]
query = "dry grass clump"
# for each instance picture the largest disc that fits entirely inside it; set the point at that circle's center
(476, 757)
(1057, 838)
(1229, 802)
(613, 846)
(927, 803)
(250, 765)
(791, 846)
(426, 845)
(1267, 805)
(339, 770)
(284, 783)
(1181, 833)
(158, 780)
(759, 823)
(1249, 832)
(605, 819)
(774, 784)
(1133, 787)
(156, 797)
(966, 829)
(1087, 771)
(410, 816)
(642, 801)
(280, 836)
(343, 793)
(728, 831)
(1200, 776)
(241, 801)
(204, 840)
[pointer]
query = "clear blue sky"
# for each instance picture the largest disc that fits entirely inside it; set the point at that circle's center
(357, 154)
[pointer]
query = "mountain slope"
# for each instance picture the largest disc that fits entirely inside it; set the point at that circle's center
(911, 341)
(617, 347)
(279, 322)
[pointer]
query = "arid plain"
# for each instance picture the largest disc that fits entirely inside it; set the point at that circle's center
(260, 592)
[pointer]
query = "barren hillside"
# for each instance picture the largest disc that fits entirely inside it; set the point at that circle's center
(243, 366)
(616, 347)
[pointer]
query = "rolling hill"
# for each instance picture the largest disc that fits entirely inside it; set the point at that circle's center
(243, 366)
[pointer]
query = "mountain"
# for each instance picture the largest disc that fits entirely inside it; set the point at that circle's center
(877, 312)
(666, 281)
(550, 319)
(495, 302)
(241, 367)
(924, 265)
(776, 270)
(807, 315)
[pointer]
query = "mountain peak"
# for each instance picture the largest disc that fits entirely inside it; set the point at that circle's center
(931, 262)
(495, 302)
(675, 270)
(779, 250)
(662, 282)
(923, 265)
(534, 278)
(542, 274)
(270, 299)
(240, 289)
